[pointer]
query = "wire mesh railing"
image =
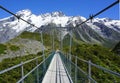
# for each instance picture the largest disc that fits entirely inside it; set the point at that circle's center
(36, 75)
(100, 73)
(92, 72)
(76, 73)
(24, 68)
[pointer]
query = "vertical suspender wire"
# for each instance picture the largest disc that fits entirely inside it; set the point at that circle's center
(44, 65)
(53, 40)
(70, 49)
(75, 69)
(70, 44)
(61, 40)
(22, 68)
(89, 62)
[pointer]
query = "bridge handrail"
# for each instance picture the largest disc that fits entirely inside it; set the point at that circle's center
(107, 70)
(99, 67)
(19, 65)
(84, 72)
(81, 69)
(31, 70)
(67, 73)
(8, 69)
(80, 59)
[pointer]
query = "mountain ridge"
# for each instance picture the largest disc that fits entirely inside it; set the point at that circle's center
(104, 27)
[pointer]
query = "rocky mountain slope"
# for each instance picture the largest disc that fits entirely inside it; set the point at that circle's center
(25, 44)
(100, 31)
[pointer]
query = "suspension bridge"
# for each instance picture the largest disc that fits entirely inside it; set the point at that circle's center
(58, 67)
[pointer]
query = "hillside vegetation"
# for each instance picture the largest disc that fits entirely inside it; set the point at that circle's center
(14, 75)
(116, 49)
(2, 48)
(24, 44)
(96, 53)
(15, 45)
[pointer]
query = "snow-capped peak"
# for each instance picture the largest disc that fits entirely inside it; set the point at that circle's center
(24, 13)
(54, 14)
(103, 19)
(57, 14)
(10, 25)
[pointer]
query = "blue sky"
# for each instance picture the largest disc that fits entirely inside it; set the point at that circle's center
(69, 7)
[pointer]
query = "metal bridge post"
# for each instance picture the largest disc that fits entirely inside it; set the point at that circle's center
(76, 69)
(37, 71)
(89, 69)
(22, 72)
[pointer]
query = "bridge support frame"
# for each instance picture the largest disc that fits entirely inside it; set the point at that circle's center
(22, 71)
(76, 69)
(89, 70)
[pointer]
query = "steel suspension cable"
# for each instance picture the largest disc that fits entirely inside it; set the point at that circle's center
(92, 16)
(18, 17)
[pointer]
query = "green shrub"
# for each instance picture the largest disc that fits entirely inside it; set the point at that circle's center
(101, 56)
(30, 35)
(14, 48)
(14, 75)
(2, 48)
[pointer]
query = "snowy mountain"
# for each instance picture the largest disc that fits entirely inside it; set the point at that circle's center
(100, 30)
(106, 27)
